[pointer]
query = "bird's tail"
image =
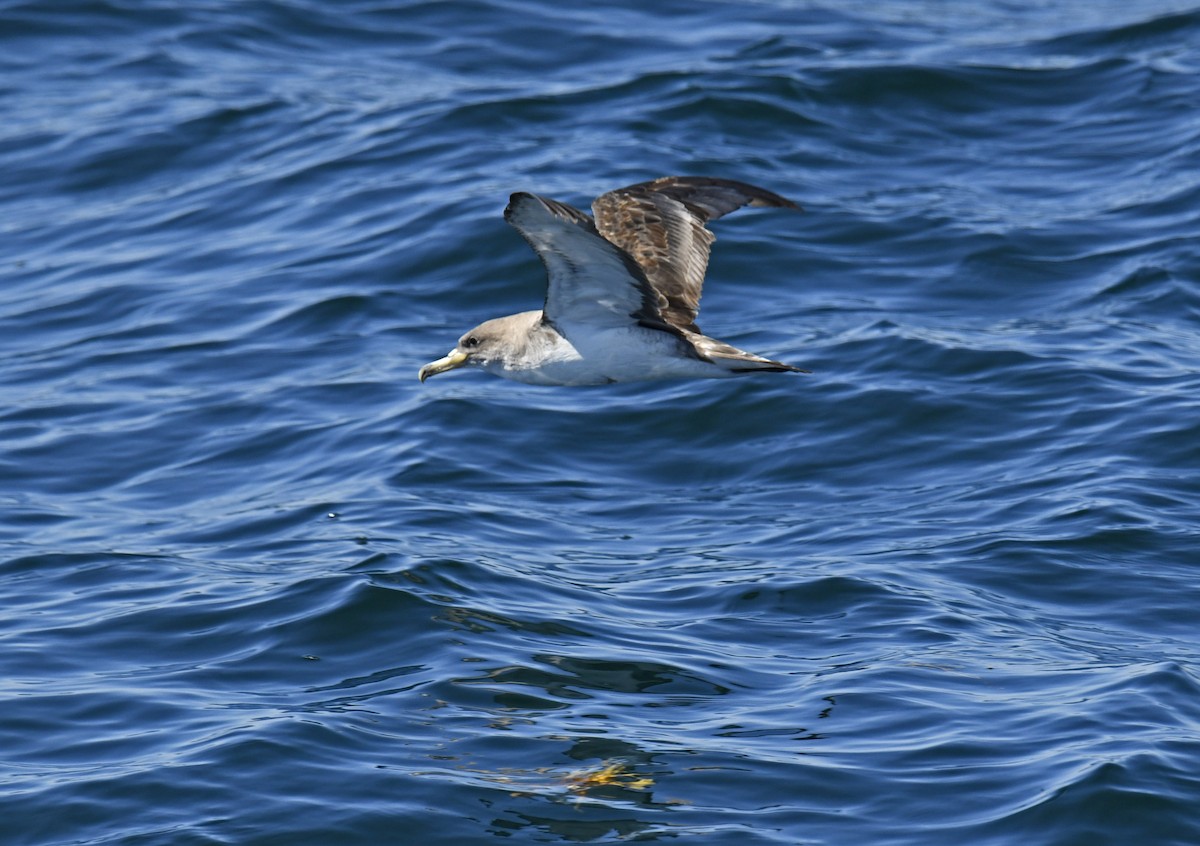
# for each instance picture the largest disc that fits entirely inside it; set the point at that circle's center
(739, 361)
(765, 365)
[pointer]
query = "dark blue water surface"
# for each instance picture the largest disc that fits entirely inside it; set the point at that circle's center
(260, 586)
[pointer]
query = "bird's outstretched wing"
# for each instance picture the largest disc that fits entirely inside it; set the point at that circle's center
(660, 224)
(590, 280)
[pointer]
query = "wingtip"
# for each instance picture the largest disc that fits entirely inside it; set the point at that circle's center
(532, 206)
(513, 200)
(784, 204)
(769, 199)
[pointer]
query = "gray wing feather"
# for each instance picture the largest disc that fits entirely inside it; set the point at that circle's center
(590, 280)
(660, 224)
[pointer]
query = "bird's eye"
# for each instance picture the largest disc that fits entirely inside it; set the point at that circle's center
(470, 341)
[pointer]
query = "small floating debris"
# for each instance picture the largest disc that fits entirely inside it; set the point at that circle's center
(616, 774)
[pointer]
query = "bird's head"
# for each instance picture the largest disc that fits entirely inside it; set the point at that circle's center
(480, 347)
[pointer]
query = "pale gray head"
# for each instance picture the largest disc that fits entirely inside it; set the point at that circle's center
(489, 345)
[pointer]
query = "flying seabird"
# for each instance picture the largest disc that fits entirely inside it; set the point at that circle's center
(623, 289)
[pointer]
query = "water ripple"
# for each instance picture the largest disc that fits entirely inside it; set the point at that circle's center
(262, 585)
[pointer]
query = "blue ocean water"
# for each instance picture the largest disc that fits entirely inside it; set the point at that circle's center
(263, 587)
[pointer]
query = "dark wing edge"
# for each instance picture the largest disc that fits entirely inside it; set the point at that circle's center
(660, 224)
